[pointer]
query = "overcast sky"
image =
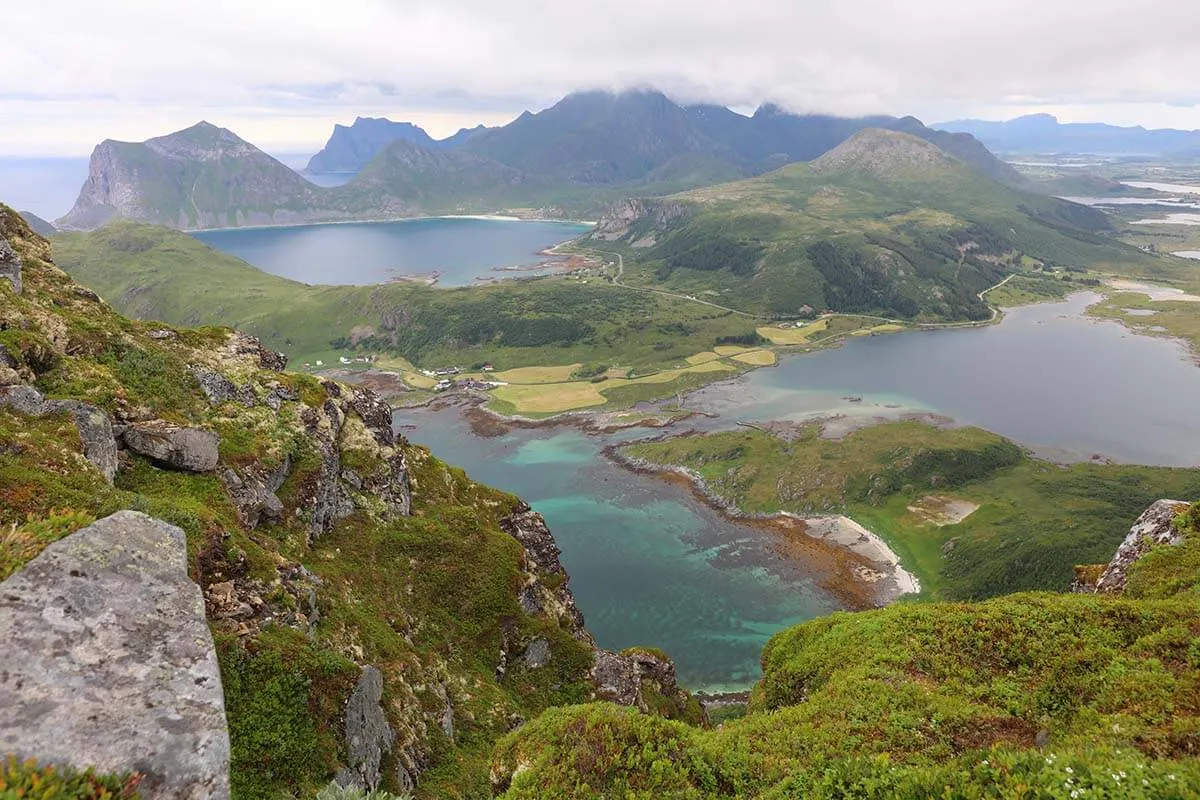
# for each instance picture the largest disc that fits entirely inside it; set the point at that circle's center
(281, 72)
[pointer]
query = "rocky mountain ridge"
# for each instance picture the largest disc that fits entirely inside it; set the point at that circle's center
(588, 149)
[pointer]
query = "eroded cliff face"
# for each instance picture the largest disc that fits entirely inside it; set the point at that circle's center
(640, 221)
(201, 177)
(388, 613)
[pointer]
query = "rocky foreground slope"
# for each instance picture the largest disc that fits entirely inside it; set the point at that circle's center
(377, 616)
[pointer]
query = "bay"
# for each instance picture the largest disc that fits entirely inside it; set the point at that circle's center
(461, 250)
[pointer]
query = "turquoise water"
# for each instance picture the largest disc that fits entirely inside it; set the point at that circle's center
(651, 565)
(461, 250)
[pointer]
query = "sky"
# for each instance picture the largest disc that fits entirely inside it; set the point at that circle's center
(281, 72)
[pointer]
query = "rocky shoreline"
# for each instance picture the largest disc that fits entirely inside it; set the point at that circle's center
(875, 572)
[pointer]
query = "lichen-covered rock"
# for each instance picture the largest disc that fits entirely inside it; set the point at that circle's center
(94, 426)
(624, 677)
(1154, 528)
(108, 661)
(241, 344)
(219, 389)
(10, 265)
(252, 493)
(174, 447)
(369, 737)
(541, 561)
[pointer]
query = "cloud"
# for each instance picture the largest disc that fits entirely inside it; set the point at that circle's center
(288, 70)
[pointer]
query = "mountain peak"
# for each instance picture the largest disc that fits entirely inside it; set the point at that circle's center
(883, 153)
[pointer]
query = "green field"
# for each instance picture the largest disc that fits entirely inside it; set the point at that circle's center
(1035, 520)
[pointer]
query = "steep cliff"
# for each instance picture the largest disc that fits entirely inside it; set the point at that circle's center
(377, 616)
(200, 177)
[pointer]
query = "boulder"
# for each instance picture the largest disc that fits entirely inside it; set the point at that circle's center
(96, 433)
(10, 265)
(94, 426)
(108, 661)
(174, 447)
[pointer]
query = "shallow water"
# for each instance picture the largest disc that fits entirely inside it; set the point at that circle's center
(649, 563)
(361, 253)
(652, 565)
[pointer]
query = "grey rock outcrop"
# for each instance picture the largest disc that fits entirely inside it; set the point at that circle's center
(625, 677)
(638, 215)
(368, 736)
(253, 494)
(219, 389)
(94, 426)
(10, 265)
(108, 661)
(1154, 528)
(174, 447)
(540, 561)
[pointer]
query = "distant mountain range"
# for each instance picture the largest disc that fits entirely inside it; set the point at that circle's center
(573, 158)
(1043, 133)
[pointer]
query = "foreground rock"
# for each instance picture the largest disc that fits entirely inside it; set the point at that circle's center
(109, 662)
(187, 449)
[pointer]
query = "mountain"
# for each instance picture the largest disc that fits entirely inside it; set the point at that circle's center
(350, 148)
(885, 223)
(200, 177)
(572, 159)
(426, 177)
(39, 226)
(1043, 133)
(596, 138)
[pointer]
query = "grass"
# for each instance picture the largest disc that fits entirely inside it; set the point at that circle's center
(1033, 695)
(557, 374)
(793, 336)
(1035, 520)
(155, 273)
(549, 398)
(868, 239)
(757, 358)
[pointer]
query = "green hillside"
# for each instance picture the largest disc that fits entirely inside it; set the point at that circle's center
(885, 223)
(151, 272)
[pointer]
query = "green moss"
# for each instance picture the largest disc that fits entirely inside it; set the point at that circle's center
(282, 695)
(1028, 690)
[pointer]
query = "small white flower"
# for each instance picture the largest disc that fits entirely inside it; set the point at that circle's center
(1123, 775)
(1074, 793)
(1070, 771)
